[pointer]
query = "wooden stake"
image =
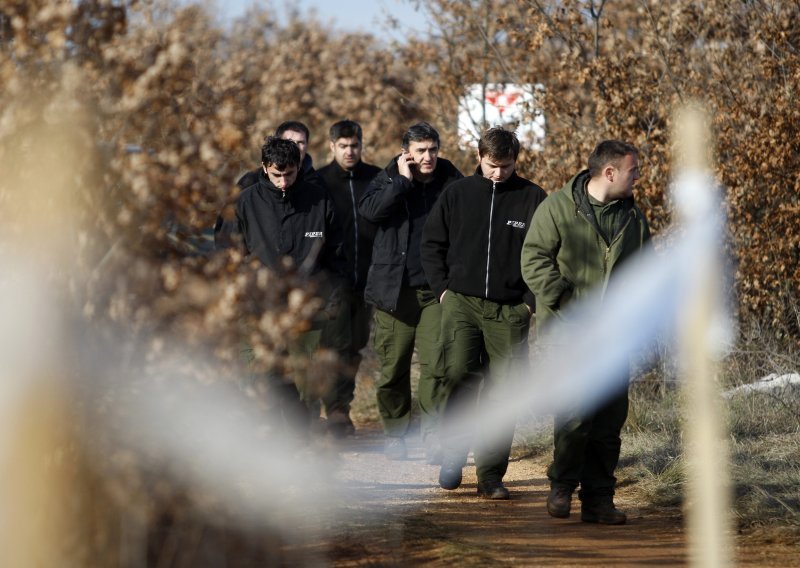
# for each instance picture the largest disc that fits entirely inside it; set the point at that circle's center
(707, 500)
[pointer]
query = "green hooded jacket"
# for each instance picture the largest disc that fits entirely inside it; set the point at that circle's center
(565, 255)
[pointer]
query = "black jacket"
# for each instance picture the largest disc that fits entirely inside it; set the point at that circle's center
(346, 188)
(392, 202)
(300, 224)
(473, 237)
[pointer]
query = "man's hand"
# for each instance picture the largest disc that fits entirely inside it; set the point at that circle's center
(404, 164)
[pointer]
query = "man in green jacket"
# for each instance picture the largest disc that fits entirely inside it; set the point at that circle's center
(577, 239)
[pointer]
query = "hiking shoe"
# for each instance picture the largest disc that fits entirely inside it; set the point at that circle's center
(602, 510)
(450, 476)
(492, 490)
(395, 449)
(559, 501)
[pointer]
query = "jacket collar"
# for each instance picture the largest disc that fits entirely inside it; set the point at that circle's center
(391, 168)
(307, 165)
(577, 191)
(511, 183)
(343, 173)
(576, 188)
(268, 188)
(443, 169)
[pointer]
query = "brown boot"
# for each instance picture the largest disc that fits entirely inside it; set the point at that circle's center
(559, 501)
(602, 510)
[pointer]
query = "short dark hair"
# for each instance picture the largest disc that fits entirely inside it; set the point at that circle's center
(609, 152)
(419, 132)
(294, 125)
(345, 129)
(498, 143)
(280, 153)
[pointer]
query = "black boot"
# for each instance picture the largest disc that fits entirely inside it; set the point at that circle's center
(559, 501)
(602, 510)
(492, 490)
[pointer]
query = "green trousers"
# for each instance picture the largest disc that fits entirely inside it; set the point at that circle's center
(586, 448)
(290, 396)
(477, 334)
(416, 321)
(294, 394)
(347, 334)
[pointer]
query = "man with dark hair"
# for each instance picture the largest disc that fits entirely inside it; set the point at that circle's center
(578, 238)
(398, 201)
(298, 128)
(470, 250)
(347, 178)
(298, 133)
(282, 216)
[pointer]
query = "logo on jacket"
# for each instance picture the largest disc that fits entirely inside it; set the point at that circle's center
(314, 234)
(516, 224)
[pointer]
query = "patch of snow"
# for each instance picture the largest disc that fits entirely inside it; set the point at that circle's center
(771, 382)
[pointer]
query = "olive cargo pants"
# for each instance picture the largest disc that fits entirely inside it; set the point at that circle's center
(347, 334)
(477, 333)
(586, 448)
(417, 320)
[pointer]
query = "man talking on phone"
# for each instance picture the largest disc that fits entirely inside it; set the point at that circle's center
(398, 202)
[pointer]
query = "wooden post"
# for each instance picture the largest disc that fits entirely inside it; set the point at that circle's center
(34, 491)
(707, 505)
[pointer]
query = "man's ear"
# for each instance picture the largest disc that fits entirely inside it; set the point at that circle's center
(478, 153)
(332, 146)
(608, 173)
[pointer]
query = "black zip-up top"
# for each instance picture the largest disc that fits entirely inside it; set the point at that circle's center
(398, 207)
(473, 238)
(346, 188)
(299, 223)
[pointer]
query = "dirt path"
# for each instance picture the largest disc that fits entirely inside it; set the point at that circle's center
(398, 516)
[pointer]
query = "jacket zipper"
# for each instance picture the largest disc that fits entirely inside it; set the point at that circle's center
(489, 244)
(608, 253)
(355, 228)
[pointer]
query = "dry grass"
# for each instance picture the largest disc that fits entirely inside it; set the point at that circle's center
(764, 442)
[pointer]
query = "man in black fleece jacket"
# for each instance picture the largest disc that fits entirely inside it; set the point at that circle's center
(347, 178)
(470, 251)
(398, 201)
(282, 216)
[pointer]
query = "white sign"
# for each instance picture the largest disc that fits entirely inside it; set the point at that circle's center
(506, 105)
